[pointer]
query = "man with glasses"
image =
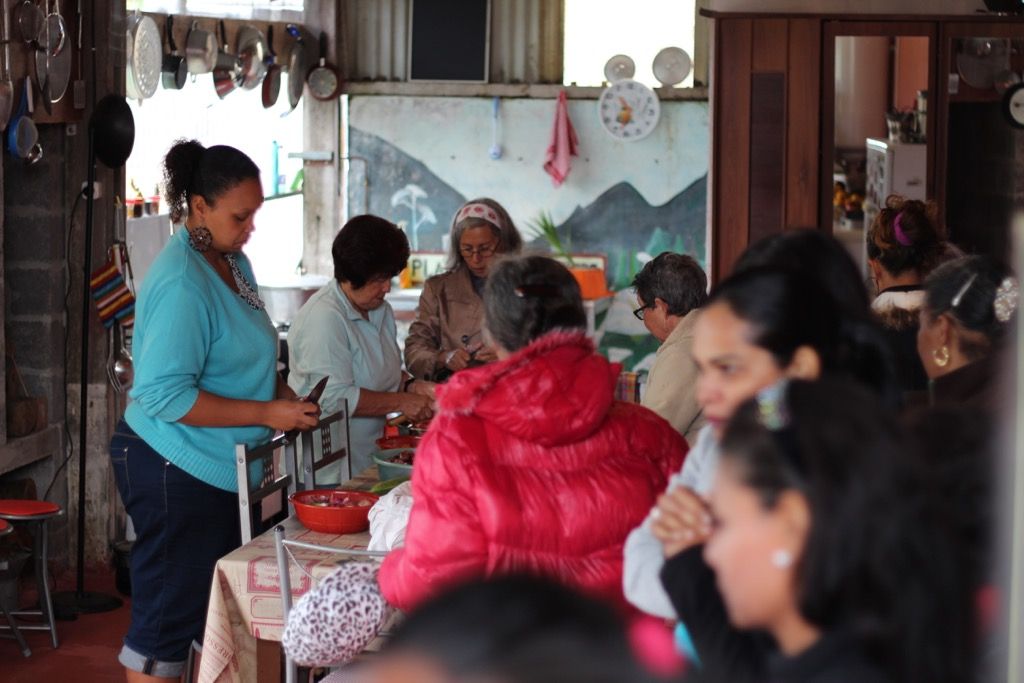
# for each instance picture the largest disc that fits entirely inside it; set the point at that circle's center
(447, 333)
(669, 290)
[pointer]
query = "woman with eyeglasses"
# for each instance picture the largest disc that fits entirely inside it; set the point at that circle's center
(969, 306)
(446, 335)
(670, 289)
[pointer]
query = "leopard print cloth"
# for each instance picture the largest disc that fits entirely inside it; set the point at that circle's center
(336, 620)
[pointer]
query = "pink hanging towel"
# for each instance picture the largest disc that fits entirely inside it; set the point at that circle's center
(564, 144)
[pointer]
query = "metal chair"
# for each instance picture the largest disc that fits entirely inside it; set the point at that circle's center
(5, 529)
(323, 445)
(281, 545)
(39, 513)
(259, 477)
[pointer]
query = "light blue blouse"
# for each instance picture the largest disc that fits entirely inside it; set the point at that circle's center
(329, 337)
(192, 333)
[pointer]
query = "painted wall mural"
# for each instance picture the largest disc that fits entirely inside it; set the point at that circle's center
(423, 157)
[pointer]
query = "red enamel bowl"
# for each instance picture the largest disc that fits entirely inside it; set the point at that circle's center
(388, 443)
(334, 511)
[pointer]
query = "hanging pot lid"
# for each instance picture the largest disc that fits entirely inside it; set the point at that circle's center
(671, 66)
(145, 54)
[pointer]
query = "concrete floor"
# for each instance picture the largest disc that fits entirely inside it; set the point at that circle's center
(88, 645)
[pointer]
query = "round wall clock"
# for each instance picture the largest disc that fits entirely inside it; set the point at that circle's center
(1013, 105)
(629, 110)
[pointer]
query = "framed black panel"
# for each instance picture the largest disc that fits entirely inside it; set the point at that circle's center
(449, 40)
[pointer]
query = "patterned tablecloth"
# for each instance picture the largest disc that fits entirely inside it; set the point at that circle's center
(245, 598)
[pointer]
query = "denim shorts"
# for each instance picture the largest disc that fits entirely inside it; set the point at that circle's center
(183, 526)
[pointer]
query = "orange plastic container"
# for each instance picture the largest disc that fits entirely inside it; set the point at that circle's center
(333, 519)
(592, 282)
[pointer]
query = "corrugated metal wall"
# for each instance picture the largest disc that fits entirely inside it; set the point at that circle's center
(526, 40)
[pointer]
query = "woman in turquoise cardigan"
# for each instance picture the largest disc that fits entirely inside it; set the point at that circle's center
(205, 379)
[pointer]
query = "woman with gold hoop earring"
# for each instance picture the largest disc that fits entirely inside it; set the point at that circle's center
(967, 314)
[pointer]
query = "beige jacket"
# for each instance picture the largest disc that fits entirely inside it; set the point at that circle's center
(449, 308)
(672, 383)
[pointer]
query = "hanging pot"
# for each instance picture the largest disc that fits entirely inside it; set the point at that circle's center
(228, 73)
(200, 50)
(252, 51)
(272, 81)
(173, 68)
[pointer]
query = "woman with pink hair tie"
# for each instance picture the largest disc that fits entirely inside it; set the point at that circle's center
(905, 242)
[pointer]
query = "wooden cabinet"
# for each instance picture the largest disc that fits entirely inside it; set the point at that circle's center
(773, 125)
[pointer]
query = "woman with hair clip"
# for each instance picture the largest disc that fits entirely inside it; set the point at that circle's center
(904, 244)
(447, 334)
(759, 326)
(822, 559)
(205, 380)
(967, 315)
(530, 464)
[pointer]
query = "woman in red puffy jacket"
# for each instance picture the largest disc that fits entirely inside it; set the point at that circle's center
(531, 465)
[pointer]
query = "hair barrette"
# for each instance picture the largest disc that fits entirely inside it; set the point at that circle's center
(536, 291)
(963, 290)
(772, 413)
(1005, 302)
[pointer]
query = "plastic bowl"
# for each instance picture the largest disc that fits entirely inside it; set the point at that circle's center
(333, 519)
(391, 470)
(403, 442)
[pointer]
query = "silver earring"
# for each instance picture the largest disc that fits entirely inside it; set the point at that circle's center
(782, 558)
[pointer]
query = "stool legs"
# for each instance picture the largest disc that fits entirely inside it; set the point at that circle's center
(25, 651)
(40, 547)
(43, 576)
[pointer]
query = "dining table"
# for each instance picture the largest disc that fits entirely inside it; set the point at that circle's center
(244, 620)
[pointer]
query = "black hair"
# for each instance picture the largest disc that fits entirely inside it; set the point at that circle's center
(676, 279)
(786, 309)
(527, 296)
(191, 170)
(368, 247)
(919, 226)
(975, 309)
(519, 629)
(877, 562)
(819, 256)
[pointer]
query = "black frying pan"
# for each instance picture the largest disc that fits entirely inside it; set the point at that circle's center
(272, 81)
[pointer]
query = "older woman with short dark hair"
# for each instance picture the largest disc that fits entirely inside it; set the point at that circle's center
(669, 290)
(346, 331)
(531, 466)
(446, 335)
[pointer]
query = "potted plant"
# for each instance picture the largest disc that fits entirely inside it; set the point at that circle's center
(591, 280)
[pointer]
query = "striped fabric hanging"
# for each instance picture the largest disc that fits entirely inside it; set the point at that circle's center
(114, 300)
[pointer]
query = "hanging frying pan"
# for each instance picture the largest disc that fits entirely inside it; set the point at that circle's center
(272, 81)
(324, 79)
(55, 30)
(297, 66)
(173, 68)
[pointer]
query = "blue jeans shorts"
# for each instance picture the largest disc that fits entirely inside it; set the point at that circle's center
(183, 526)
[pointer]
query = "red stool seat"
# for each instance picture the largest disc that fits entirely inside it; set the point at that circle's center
(16, 507)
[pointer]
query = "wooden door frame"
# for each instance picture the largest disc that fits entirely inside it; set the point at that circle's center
(880, 27)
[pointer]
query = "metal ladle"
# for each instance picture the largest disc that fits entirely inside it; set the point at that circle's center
(120, 369)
